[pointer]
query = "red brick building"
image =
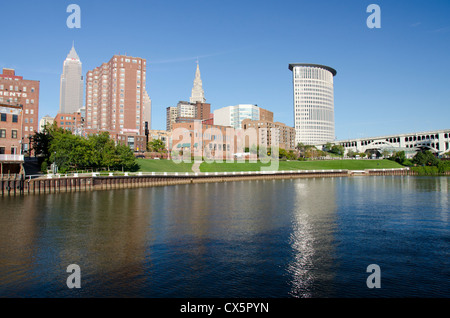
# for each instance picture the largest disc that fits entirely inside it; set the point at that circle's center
(210, 120)
(270, 133)
(16, 91)
(72, 122)
(117, 101)
(203, 140)
(10, 129)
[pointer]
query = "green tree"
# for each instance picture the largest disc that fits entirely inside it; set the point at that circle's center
(337, 150)
(282, 153)
(398, 156)
(386, 153)
(102, 150)
(126, 158)
(41, 141)
(425, 158)
(305, 150)
(68, 151)
(328, 146)
(156, 145)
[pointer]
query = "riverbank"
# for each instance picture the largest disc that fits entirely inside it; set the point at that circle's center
(96, 181)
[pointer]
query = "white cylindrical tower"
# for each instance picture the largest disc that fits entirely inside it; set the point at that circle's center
(313, 103)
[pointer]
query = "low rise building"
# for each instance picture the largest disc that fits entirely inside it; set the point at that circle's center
(202, 140)
(46, 120)
(17, 91)
(161, 135)
(73, 122)
(11, 141)
(11, 129)
(234, 115)
(270, 133)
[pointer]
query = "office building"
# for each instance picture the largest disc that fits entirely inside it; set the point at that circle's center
(16, 91)
(234, 115)
(171, 117)
(117, 101)
(204, 140)
(73, 122)
(46, 120)
(10, 129)
(71, 84)
(270, 133)
(313, 103)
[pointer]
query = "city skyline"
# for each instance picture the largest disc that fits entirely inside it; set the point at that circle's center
(398, 71)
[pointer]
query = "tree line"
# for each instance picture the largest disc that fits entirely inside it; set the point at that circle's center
(423, 162)
(72, 152)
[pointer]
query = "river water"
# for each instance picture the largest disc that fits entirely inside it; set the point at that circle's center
(274, 238)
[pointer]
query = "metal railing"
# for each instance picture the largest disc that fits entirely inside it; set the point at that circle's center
(203, 174)
(12, 158)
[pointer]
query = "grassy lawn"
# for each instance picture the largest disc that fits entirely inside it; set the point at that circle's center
(339, 164)
(150, 165)
(302, 165)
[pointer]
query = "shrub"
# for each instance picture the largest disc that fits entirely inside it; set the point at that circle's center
(443, 166)
(44, 166)
(426, 171)
(407, 163)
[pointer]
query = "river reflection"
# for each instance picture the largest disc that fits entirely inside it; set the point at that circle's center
(284, 238)
(312, 236)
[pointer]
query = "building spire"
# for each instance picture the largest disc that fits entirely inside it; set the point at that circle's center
(73, 54)
(197, 95)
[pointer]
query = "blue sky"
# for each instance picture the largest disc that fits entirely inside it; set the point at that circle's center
(395, 79)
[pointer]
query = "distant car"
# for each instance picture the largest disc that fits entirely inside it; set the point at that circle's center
(140, 156)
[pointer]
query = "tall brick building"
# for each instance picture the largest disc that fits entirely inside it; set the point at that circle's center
(24, 94)
(117, 101)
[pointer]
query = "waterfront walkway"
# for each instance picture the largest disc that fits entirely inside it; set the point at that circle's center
(196, 166)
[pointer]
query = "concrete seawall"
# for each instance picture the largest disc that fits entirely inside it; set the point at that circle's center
(94, 181)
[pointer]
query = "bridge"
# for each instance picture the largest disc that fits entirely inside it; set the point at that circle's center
(437, 141)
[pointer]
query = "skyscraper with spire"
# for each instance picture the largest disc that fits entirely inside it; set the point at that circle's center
(197, 95)
(195, 110)
(71, 86)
